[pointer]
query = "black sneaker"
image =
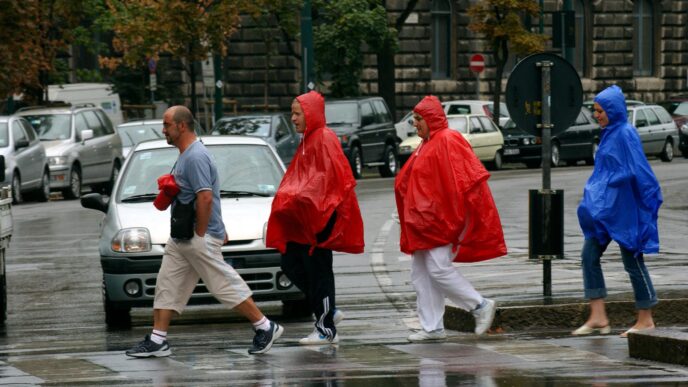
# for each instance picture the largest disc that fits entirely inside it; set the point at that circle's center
(262, 341)
(148, 348)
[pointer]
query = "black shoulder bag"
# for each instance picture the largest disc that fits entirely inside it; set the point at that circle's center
(183, 219)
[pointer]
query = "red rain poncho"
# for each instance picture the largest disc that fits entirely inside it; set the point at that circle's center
(443, 189)
(317, 183)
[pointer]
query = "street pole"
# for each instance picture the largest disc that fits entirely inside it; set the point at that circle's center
(218, 87)
(566, 50)
(307, 46)
(546, 126)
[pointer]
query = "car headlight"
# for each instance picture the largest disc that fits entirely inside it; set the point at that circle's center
(265, 234)
(684, 129)
(57, 160)
(526, 141)
(131, 240)
(405, 149)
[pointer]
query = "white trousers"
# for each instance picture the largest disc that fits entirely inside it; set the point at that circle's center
(434, 277)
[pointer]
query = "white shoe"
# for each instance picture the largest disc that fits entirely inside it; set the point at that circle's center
(423, 335)
(316, 338)
(484, 316)
(338, 316)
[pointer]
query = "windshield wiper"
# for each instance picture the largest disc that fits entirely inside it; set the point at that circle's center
(226, 193)
(140, 198)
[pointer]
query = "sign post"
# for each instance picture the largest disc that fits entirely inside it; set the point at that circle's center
(152, 66)
(544, 96)
(477, 65)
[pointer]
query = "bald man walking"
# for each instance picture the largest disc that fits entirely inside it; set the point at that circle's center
(198, 254)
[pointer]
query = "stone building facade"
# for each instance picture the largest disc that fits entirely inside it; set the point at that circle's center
(641, 45)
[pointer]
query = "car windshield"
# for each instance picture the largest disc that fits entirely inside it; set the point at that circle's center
(503, 111)
(132, 135)
(458, 123)
(676, 108)
(245, 169)
(258, 126)
(4, 135)
(52, 126)
(341, 113)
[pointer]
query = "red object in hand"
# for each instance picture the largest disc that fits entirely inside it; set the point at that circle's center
(168, 190)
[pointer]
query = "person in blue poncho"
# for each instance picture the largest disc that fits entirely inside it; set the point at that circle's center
(620, 203)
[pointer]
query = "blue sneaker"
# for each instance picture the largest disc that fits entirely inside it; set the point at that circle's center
(148, 348)
(262, 341)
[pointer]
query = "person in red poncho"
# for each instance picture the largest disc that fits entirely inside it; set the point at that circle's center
(315, 211)
(446, 215)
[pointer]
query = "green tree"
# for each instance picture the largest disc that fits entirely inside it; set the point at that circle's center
(33, 33)
(342, 27)
(500, 21)
(188, 30)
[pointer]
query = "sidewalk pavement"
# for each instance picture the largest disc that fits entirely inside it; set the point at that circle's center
(516, 283)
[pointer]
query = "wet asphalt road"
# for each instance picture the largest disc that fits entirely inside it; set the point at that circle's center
(55, 333)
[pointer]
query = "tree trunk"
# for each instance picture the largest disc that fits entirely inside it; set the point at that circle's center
(192, 77)
(501, 54)
(386, 82)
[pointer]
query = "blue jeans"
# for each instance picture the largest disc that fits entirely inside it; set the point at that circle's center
(593, 280)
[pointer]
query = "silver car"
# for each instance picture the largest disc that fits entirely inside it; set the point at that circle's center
(26, 166)
(134, 132)
(134, 232)
(81, 145)
(657, 130)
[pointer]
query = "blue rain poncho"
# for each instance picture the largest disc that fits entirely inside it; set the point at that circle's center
(622, 196)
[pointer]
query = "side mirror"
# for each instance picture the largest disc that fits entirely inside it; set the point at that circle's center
(86, 134)
(22, 143)
(94, 201)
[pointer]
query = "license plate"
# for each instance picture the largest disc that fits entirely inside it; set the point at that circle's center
(509, 152)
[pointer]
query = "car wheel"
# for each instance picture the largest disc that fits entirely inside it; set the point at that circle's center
(16, 189)
(593, 153)
(296, 308)
(115, 315)
(496, 163)
(107, 187)
(668, 152)
(43, 192)
(391, 166)
(533, 163)
(74, 189)
(356, 162)
(556, 155)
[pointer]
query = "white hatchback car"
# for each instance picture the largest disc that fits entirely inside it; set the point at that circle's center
(479, 130)
(134, 232)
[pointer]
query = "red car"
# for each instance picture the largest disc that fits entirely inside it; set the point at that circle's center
(677, 106)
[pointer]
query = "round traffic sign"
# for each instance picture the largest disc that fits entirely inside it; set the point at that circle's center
(524, 93)
(477, 63)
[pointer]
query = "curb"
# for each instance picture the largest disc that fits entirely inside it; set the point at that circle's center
(561, 315)
(664, 345)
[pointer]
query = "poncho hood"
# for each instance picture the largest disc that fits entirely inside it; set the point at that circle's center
(443, 197)
(621, 199)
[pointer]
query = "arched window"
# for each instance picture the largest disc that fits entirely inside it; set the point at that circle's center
(441, 39)
(580, 54)
(643, 38)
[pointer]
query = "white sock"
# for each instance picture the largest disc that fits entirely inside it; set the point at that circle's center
(158, 337)
(263, 324)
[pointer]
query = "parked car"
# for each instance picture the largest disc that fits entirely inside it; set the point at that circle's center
(678, 108)
(477, 107)
(26, 166)
(365, 128)
(275, 128)
(483, 135)
(134, 232)
(81, 144)
(133, 132)
(629, 102)
(579, 142)
(657, 130)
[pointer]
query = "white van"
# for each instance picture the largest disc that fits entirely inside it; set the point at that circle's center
(99, 94)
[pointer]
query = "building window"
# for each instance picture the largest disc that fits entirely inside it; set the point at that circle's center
(580, 55)
(441, 39)
(643, 38)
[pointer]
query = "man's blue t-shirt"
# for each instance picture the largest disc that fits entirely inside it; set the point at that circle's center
(196, 171)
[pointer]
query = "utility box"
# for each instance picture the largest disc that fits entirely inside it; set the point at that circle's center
(545, 224)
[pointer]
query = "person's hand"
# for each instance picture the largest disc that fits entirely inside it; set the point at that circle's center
(224, 242)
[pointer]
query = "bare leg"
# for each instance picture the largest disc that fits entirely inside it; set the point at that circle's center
(249, 310)
(162, 319)
(598, 314)
(645, 320)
